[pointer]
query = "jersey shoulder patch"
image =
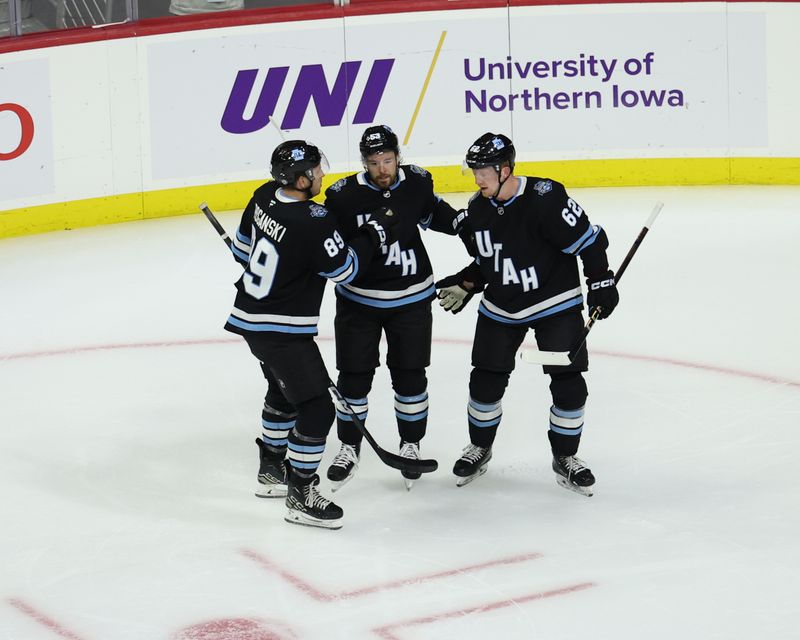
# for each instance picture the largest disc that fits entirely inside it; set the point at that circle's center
(338, 185)
(418, 170)
(317, 210)
(543, 186)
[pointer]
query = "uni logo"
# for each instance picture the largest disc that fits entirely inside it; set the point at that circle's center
(26, 130)
(311, 83)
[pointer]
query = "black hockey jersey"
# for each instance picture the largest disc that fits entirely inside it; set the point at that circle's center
(526, 250)
(288, 249)
(403, 275)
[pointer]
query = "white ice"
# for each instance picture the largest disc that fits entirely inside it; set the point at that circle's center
(127, 462)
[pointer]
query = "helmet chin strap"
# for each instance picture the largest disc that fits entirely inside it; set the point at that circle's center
(307, 190)
(500, 182)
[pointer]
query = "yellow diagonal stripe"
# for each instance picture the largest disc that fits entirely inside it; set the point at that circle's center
(424, 87)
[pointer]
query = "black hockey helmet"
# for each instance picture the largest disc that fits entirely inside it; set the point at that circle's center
(378, 139)
(295, 158)
(490, 150)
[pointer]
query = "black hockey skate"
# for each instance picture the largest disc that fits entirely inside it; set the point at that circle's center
(410, 450)
(344, 465)
(471, 464)
(307, 507)
(573, 474)
(272, 473)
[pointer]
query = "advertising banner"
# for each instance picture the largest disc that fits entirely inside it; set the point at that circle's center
(605, 82)
(26, 134)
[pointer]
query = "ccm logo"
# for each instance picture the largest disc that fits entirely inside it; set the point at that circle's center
(26, 126)
(602, 284)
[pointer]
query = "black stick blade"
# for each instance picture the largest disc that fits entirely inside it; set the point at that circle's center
(405, 464)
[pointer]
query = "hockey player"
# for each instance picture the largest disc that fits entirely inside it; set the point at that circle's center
(289, 246)
(527, 235)
(392, 295)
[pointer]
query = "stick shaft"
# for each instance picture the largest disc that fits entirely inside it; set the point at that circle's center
(617, 277)
(215, 223)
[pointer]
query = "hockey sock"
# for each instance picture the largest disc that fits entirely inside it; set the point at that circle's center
(566, 415)
(305, 454)
(347, 431)
(484, 418)
(412, 416)
(566, 426)
(275, 427)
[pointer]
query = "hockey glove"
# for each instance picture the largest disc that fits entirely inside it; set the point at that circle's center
(603, 294)
(379, 225)
(455, 291)
(385, 217)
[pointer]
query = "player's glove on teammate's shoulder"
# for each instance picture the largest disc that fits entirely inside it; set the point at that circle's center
(602, 293)
(453, 294)
(378, 227)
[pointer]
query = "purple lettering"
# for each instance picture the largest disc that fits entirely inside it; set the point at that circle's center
(311, 84)
(373, 92)
(233, 120)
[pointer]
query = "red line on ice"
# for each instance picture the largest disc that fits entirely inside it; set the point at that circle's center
(43, 619)
(315, 593)
(728, 371)
(387, 632)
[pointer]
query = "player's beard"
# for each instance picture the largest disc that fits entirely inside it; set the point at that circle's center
(384, 181)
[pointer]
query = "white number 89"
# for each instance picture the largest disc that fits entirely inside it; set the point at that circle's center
(334, 244)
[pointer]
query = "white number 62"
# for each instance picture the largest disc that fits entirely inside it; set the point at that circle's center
(571, 212)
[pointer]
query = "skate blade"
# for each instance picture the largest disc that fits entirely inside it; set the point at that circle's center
(271, 491)
(460, 482)
(584, 491)
(409, 483)
(336, 485)
(295, 517)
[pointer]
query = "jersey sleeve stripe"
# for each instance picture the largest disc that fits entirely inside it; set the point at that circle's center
(585, 240)
(240, 255)
(347, 271)
(242, 239)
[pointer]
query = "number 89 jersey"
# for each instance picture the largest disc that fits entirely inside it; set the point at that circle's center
(526, 248)
(288, 249)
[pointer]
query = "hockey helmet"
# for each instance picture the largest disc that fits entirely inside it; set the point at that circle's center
(295, 158)
(378, 139)
(490, 150)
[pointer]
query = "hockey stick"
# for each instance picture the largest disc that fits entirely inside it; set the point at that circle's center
(564, 358)
(389, 459)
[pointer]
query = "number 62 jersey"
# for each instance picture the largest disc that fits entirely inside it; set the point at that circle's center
(288, 249)
(526, 249)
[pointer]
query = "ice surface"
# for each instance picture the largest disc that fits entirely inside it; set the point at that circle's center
(127, 462)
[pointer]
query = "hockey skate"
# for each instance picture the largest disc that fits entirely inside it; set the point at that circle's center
(344, 466)
(272, 472)
(410, 450)
(307, 507)
(471, 464)
(573, 474)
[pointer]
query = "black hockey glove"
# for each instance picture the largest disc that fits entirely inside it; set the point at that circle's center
(453, 294)
(602, 293)
(378, 227)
